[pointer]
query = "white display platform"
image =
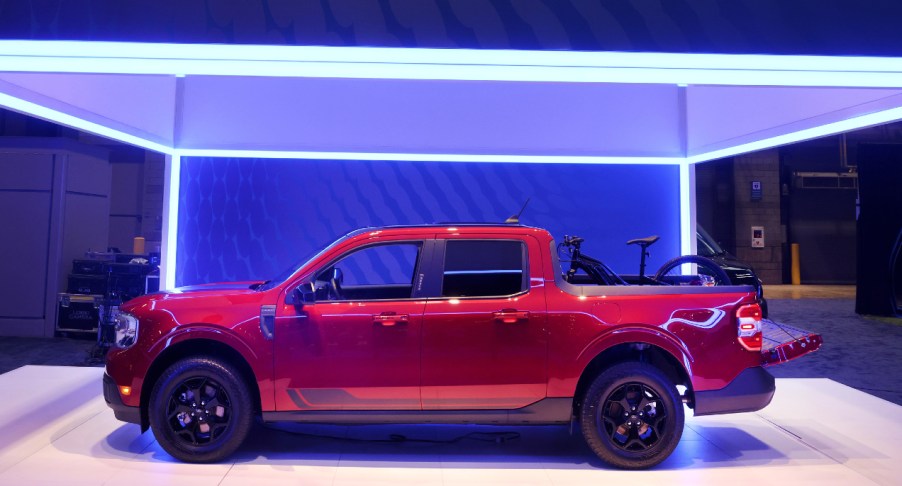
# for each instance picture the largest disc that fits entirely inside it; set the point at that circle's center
(56, 429)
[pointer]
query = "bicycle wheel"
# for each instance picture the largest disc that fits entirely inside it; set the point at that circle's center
(706, 272)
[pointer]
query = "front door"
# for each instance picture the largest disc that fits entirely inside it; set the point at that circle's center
(484, 336)
(357, 347)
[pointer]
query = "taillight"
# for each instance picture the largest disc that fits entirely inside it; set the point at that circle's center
(749, 317)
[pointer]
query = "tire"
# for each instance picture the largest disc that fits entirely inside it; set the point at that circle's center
(208, 431)
(670, 269)
(653, 423)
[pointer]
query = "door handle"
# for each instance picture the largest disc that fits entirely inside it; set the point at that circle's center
(511, 316)
(389, 319)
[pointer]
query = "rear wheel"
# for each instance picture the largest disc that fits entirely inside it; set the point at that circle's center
(200, 410)
(631, 416)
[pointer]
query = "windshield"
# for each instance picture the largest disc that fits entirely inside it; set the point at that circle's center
(706, 245)
(291, 269)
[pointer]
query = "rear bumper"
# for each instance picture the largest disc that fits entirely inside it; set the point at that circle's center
(752, 390)
(113, 400)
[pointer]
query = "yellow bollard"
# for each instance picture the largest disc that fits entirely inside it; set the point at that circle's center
(138, 245)
(796, 271)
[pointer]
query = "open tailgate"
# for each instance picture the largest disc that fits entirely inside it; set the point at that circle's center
(782, 343)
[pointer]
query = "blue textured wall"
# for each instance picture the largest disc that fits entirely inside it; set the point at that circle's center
(245, 219)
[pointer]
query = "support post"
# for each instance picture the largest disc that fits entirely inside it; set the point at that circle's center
(688, 242)
(170, 221)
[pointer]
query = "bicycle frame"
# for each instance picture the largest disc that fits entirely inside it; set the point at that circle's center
(600, 273)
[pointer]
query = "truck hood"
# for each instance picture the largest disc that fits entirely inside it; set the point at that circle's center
(223, 293)
(221, 287)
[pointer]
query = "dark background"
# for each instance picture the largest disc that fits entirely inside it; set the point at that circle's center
(826, 27)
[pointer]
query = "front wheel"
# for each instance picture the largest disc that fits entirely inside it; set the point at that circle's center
(200, 410)
(631, 416)
(708, 272)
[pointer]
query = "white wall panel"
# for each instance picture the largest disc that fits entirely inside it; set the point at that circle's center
(89, 174)
(24, 246)
(126, 195)
(724, 116)
(431, 116)
(25, 183)
(25, 171)
(142, 105)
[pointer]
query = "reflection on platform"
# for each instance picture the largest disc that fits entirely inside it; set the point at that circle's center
(57, 430)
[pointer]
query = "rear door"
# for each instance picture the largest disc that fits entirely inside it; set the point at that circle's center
(484, 333)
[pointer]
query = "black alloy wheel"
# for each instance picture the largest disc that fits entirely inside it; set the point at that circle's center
(200, 410)
(632, 416)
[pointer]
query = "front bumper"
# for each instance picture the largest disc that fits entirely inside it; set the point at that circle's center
(752, 390)
(113, 400)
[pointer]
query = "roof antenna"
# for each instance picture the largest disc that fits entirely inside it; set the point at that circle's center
(515, 219)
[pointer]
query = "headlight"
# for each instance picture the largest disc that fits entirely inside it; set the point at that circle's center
(126, 330)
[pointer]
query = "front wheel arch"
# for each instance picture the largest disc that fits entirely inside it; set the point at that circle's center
(193, 348)
(201, 409)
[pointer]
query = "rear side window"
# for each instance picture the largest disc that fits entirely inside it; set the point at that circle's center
(484, 268)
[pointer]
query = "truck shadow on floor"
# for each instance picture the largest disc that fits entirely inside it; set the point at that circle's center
(465, 446)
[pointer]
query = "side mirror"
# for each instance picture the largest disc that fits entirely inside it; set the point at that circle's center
(302, 295)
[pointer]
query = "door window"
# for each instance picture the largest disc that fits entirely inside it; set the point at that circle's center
(484, 268)
(371, 273)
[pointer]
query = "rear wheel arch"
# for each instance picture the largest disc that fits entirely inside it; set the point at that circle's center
(638, 351)
(193, 348)
(631, 416)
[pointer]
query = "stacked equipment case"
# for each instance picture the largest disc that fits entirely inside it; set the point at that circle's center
(97, 286)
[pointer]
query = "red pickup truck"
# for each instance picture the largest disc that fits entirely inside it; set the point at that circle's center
(441, 324)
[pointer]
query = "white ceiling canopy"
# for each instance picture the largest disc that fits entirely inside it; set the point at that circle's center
(443, 104)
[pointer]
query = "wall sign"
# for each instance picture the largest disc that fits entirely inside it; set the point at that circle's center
(756, 190)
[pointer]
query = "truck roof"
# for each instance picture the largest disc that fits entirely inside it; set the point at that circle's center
(460, 228)
(444, 225)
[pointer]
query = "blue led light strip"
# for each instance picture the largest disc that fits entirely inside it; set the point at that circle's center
(450, 64)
